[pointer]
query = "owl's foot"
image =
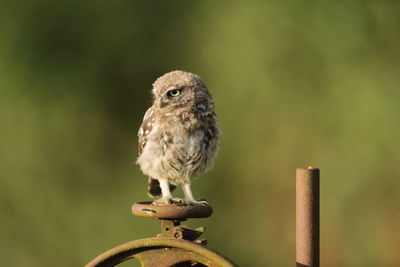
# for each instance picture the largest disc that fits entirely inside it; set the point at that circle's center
(167, 198)
(169, 201)
(189, 199)
(193, 202)
(177, 201)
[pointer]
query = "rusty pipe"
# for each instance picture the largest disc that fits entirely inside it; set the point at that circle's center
(307, 217)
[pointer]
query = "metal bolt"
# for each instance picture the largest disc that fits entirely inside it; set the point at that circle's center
(178, 233)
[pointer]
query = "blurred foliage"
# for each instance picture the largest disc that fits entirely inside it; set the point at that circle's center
(295, 83)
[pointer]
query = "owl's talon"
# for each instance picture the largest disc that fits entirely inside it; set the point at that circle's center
(177, 201)
(162, 201)
(196, 202)
(169, 201)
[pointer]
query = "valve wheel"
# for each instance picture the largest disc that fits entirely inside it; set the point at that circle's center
(175, 246)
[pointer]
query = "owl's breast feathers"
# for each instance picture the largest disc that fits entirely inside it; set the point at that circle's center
(177, 146)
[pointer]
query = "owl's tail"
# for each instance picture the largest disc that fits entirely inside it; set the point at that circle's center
(154, 189)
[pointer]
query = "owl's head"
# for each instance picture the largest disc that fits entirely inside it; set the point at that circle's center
(179, 89)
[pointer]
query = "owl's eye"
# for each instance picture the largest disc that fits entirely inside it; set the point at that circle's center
(174, 93)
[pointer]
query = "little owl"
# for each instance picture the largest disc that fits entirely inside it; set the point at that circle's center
(179, 136)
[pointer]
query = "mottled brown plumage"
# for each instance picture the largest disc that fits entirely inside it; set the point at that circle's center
(179, 136)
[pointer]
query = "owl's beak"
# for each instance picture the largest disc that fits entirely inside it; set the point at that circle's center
(161, 103)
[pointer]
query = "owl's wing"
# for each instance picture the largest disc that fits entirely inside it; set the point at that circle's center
(153, 186)
(145, 128)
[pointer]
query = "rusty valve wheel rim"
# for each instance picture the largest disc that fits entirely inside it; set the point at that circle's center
(171, 212)
(160, 252)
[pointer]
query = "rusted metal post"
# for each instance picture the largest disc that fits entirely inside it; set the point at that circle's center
(307, 217)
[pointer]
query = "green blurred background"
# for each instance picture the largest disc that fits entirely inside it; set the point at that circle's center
(295, 84)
